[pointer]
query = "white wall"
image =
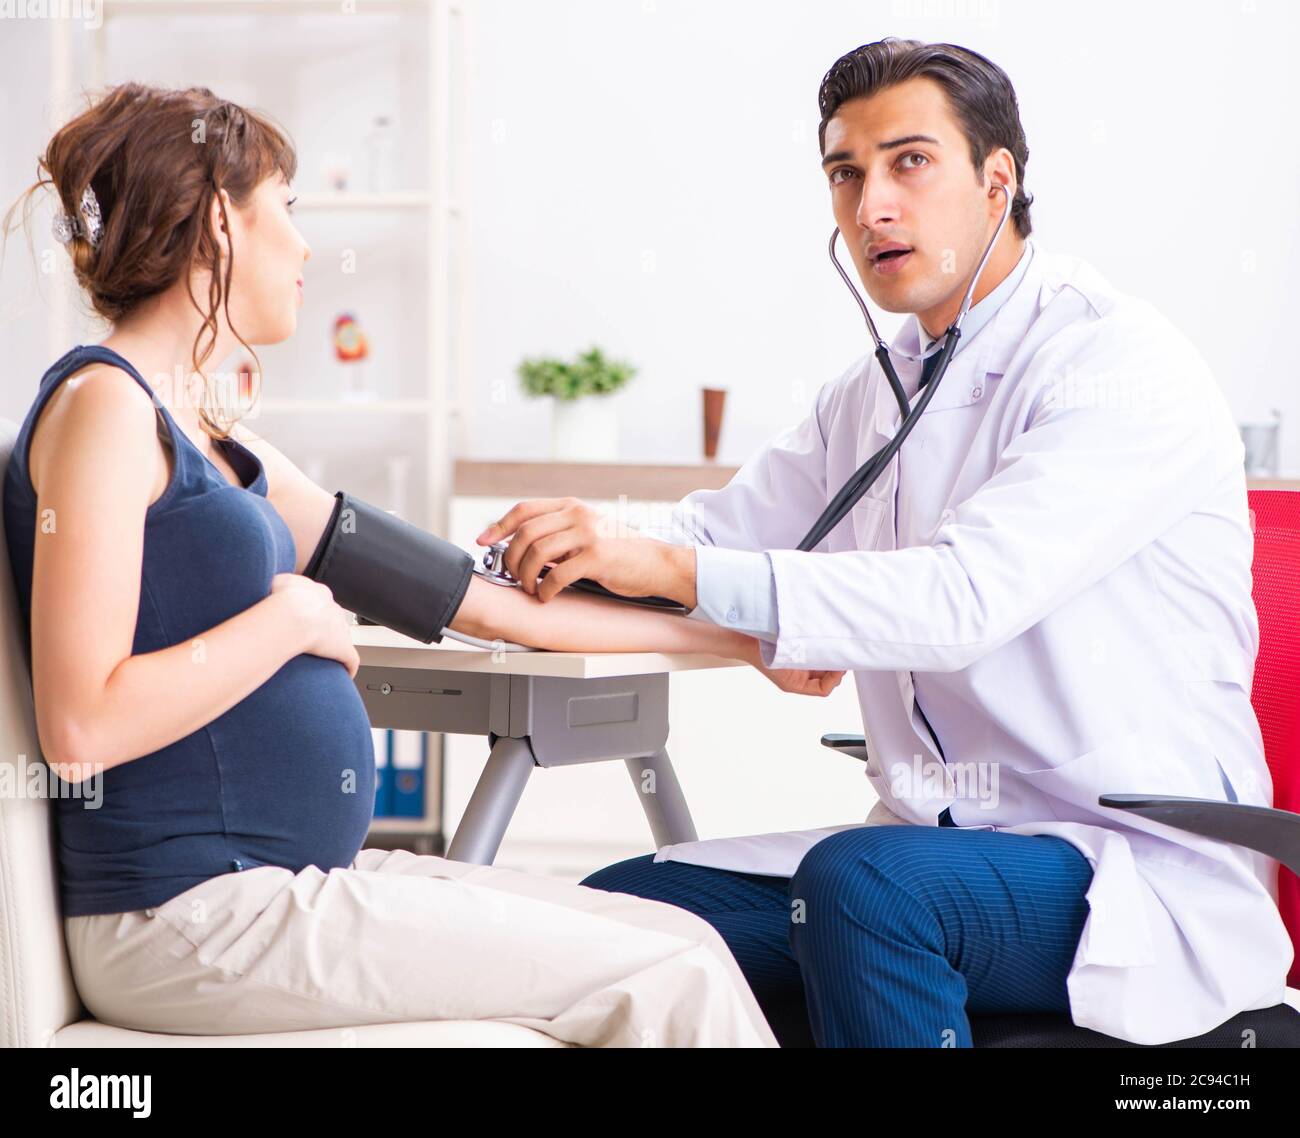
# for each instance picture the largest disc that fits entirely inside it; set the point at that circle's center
(645, 175)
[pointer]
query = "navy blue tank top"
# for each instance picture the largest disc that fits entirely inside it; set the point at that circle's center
(284, 777)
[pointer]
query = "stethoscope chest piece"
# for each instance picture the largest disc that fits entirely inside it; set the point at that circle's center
(494, 566)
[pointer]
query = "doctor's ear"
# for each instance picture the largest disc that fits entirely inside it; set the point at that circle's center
(1000, 170)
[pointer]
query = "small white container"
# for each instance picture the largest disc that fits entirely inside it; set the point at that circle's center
(1263, 447)
(584, 429)
(381, 156)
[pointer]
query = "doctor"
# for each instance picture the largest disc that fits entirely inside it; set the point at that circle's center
(1045, 598)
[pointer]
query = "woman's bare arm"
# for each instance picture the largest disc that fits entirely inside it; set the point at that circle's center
(97, 705)
(304, 506)
(574, 622)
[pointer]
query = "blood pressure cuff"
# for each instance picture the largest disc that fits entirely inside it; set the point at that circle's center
(390, 571)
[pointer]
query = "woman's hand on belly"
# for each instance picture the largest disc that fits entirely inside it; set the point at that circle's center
(325, 627)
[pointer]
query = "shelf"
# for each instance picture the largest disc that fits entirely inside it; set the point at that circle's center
(344, 407)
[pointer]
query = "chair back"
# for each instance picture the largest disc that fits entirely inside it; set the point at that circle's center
(1275, 692)
(37, 993)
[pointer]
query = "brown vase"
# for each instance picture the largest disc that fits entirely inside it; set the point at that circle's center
(714, 399)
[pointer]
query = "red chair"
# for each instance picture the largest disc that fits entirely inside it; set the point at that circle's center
(1275, 695)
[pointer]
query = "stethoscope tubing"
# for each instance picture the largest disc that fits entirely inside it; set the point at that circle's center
(863, 478)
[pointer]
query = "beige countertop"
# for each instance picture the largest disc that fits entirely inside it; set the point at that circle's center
(647, 482)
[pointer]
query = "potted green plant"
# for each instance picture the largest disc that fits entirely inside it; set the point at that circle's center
(584, 426)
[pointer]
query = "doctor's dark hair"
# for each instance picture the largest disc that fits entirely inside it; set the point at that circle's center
(978, 91)
(155, 158)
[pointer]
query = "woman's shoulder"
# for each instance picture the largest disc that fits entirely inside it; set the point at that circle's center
(98, 401)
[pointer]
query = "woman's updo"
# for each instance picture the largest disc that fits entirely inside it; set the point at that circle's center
(155, 158)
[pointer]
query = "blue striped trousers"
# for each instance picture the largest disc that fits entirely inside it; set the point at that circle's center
(888, 936)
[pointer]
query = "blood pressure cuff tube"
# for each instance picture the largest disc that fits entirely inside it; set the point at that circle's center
(390, 571)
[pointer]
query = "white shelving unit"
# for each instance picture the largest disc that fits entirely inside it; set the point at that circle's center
(80, 62)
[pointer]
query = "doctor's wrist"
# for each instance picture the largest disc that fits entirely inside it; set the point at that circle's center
(679, 571)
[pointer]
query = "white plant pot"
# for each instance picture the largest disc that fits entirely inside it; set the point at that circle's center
(584, 429)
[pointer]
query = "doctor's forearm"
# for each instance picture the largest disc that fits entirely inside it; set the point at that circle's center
(573, 622)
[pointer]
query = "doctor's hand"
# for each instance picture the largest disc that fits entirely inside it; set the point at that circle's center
(579, 541)
(800, 681)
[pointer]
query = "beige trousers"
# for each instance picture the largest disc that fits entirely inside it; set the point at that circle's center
(398, 936)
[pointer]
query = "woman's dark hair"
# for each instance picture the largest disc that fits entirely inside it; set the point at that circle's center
(978, 90)
(155, 158)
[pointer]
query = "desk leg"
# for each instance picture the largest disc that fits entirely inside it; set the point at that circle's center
(491, 806)
(662, 799)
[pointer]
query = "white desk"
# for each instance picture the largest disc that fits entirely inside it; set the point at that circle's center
(538, 709)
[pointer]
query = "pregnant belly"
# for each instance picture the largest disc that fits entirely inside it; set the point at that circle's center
(297, 766)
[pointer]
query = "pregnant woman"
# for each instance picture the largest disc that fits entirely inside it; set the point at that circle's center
(184, 666)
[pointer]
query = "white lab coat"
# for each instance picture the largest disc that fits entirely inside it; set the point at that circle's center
(1063, 571)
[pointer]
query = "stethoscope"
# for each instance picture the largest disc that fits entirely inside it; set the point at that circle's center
(875, 466)
(493, 565)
